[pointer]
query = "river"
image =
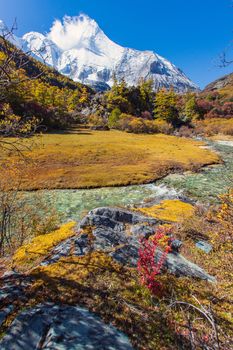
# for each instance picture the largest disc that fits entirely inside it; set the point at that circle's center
(204, 186)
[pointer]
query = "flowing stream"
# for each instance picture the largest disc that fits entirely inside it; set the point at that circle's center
(204, 186)
(209, 182)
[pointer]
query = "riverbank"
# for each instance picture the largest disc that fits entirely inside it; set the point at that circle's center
(203, 186)
(92, 159)
(210, 182)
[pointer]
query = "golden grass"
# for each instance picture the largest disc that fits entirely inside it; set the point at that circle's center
(111, 158)
(170, 210)
(221, 137)
(30, 255)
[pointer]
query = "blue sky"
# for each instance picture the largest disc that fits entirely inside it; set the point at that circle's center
(190, 33)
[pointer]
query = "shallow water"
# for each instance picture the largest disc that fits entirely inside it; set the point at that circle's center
(209, 182)
(204, 186)
(73, 204)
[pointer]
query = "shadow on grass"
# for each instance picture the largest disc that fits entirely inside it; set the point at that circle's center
(71, 131)
(111, 297)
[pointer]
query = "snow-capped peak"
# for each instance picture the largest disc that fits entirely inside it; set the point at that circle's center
(74, 32)
(78, 48)
(41, 47)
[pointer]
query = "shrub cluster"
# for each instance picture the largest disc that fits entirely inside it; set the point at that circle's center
(141, 110)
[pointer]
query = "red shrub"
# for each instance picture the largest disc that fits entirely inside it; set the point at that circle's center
(148, 267)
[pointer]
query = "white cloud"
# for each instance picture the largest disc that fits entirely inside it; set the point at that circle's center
(73, 32)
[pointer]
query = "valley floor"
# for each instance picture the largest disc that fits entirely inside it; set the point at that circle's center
(87, 269)
(91, 159)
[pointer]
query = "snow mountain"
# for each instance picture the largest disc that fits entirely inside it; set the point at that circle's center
(79, 49)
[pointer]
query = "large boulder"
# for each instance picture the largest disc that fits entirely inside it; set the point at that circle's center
(13, 287)
(121, 229)
(106, 216)
(56, 327)
(117, 232)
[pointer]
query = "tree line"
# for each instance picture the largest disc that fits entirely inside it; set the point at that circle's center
(32, 95)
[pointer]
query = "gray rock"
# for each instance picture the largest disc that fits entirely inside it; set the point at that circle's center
(121, 246)
(81, 245)
(63, 249)
(142, 230)
(106, 238)
(177, 264)
(126, 255)
(206, 247)
(96, 220)
(117, 232)
(176, 245)
(122, 216)
(13, 287)
(10, 292)
(53, 327)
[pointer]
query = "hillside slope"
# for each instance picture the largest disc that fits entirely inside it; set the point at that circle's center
(224, 82)
(222, 86)
(30, 90)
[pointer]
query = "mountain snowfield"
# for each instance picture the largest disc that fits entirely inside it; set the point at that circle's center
(79, 49)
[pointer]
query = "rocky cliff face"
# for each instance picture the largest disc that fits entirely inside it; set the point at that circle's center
(78, 48)
(224, 82)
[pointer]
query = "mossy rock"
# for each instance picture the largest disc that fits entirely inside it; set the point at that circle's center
(31, 254)
(170, 210)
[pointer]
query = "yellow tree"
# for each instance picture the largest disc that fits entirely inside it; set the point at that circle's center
(166, 107)
(84, 97)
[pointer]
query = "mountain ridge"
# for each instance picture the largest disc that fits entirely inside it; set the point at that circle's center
(220, 83)
(78, 48)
